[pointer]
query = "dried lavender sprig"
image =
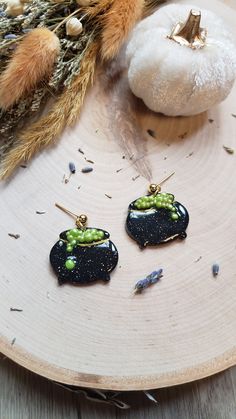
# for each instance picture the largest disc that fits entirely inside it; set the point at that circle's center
(151, 279)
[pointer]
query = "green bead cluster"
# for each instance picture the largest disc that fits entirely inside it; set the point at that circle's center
(76, 237)
(160, 201)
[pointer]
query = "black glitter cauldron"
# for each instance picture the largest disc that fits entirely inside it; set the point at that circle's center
(83, 257)
(156, 219)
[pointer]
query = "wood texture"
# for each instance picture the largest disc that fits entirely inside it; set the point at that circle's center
(102, 336)
(27, 396)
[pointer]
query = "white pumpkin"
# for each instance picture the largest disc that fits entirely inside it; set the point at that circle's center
(181, 69)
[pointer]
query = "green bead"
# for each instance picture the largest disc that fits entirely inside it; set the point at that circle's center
(100, 235)
(74, 232)
(70, 264)
(73, 242)
(173, 208)
(169, 206)
(70, 237)
(88, 238)
(174, 216)
(69, 248)
(82, 239)
(159, 204)
(95, 237)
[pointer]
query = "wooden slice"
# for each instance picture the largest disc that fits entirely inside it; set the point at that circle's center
(104, 336)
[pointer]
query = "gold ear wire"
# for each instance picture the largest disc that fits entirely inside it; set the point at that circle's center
(154, 188)
(80, 220)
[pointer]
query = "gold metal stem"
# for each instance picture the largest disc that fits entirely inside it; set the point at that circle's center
(190, 33)
(156, 188)
(166, 178)
(80, 220)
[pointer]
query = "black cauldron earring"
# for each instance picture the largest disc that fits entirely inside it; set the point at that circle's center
(156, 218)
(83, 255)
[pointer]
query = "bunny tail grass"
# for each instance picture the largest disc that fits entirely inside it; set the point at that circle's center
(64, 112)
(31, 63)
(119, 21)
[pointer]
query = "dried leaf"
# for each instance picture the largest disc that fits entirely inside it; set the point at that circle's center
(228, 149)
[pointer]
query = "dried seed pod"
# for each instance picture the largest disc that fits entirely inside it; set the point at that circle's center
(73, 26)
(14, 8)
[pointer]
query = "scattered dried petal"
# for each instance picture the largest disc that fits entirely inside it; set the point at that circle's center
(14, 236)
(151, 133)
(135, 177)
(16, 309)
(182, 136)
(150, 397)
(190, 154)
(13, 341)
(210, 120)
(80, 151)
(40, 212)
(228, 149)
(234, 115)
(87, 169)
(119, 170)
(108, 196)
(89, 161)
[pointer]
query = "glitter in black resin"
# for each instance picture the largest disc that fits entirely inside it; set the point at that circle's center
(92, 261)
(154, 226)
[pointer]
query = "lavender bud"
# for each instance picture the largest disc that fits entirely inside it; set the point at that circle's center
(72, 167)
(215, 269)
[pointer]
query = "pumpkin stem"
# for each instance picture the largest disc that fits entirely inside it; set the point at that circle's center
(190, 33)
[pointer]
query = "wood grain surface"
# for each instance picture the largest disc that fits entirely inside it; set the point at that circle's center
(25, 395)
(102, 336)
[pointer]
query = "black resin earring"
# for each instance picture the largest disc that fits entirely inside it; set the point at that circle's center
(156, 218)
(83, 255)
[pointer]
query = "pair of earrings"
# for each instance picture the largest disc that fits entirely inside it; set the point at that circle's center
(83, 255)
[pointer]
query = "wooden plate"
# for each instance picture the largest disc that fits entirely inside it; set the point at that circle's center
(102, 336)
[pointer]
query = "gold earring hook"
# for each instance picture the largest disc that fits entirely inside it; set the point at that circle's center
(154, 188)
(80, 220)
